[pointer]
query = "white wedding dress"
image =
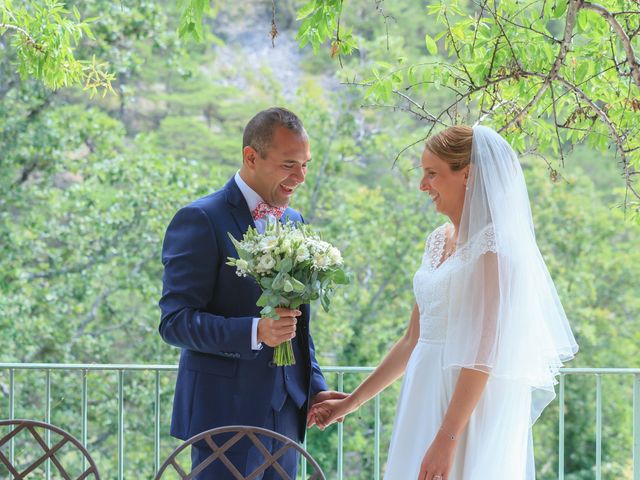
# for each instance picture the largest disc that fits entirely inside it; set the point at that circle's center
(496, 445)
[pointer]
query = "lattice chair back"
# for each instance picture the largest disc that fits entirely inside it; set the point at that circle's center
(221, 439)
(24, 452)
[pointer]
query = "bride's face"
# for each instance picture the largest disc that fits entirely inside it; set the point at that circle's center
(445, 187)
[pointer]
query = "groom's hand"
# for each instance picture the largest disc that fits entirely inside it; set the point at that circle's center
(274, 332)
(321, 397)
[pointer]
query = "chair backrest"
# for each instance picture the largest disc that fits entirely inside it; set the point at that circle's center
(220, 439)
(60, 443)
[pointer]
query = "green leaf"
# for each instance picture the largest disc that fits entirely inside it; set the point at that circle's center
(325, 302)
(278, 281)
(297, 285)
(288, 286)
(582, 71)
(432, 46)
(306, 10)
(263, 301)
(583, 20)
(340, 278)
(285, 265)
(560, 8)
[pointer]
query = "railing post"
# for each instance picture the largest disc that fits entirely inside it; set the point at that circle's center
(120, 424)
(47, 418)
(156, 439)
(636, 427)
(84, 414)
(376, 438)
(340, 432)
(598, 427)
(12, 411)
(561, 430)
(303, 460)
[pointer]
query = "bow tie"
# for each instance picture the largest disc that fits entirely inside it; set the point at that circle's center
(263, 209)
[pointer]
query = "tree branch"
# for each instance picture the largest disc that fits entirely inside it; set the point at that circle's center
(455, 47)
(30, 40)
(572, 10)
(386, 18)
(555, 125)
(624, 38)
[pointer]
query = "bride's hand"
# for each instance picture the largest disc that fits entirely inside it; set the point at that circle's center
(436, 463)
(334, 410)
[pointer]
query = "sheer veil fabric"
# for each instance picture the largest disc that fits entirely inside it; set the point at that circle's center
(504, 314)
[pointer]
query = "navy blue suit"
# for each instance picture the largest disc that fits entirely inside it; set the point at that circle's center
(208, 311)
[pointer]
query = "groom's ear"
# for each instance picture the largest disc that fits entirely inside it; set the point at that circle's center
(249, 157)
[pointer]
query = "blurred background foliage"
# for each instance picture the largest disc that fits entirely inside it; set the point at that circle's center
(88, 185)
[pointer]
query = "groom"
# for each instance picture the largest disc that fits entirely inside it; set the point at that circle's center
(226, 375)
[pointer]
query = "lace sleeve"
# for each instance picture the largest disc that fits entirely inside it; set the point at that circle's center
(435, 245)
(483, 242)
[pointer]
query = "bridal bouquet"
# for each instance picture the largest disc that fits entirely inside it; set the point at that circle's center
(293, 266)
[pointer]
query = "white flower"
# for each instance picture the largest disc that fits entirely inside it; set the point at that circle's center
(314, 246)
(242, 265)
(296, 236)
(268, 243)
(320, 261)
(266, 263)
(302, 254)
(335, 256)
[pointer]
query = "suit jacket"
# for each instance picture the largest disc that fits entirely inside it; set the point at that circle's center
(208, 311)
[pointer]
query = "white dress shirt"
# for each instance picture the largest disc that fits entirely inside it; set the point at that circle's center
(253, 199)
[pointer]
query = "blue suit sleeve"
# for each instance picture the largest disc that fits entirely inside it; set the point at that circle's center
(318, 382)
(191, 261)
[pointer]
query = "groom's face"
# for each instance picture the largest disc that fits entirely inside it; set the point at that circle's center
(276, 175)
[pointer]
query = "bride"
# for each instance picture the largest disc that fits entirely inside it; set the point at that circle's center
(487, 334)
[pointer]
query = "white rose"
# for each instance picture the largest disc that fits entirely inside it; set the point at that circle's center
(335, 256)
(296, 236)
(268, 243)
(302, 254)
(321, 261)
(267, 262)
(314, 246)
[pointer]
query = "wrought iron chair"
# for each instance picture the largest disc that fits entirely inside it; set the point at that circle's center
(229, 436)
(31, 460)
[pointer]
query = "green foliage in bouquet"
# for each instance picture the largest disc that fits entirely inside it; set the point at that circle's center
(293, 266)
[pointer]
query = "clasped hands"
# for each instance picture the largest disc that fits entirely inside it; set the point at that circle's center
(329, 407)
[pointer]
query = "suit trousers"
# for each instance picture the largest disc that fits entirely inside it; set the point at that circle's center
(247, 458)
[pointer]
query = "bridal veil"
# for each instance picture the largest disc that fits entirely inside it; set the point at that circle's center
(505, 317)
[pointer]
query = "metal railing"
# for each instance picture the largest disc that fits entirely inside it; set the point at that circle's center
(120, 372)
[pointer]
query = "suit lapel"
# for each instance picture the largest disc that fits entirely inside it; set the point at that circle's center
(238, 209)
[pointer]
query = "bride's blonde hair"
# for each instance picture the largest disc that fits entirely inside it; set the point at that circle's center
(452, 145)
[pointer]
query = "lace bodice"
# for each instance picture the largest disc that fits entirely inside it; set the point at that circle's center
(431, 281)
(430, 286)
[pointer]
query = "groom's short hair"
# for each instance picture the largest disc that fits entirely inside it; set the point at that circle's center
(258, 133)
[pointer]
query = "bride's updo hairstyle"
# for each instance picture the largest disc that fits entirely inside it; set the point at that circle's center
(452, 145)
